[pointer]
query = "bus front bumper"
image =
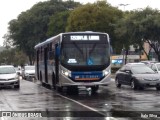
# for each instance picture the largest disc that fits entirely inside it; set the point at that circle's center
(65, 81)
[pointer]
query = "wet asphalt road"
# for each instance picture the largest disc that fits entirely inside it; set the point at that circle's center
(108, 101)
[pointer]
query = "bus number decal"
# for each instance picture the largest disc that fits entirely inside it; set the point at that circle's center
(85, 37)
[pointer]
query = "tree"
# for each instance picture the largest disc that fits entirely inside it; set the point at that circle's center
(58, 23)
(13, 57)
(123, 33)
(31, 26)
(98, 17)
(141, 26)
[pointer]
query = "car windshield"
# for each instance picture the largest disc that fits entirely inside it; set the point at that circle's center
(29, 67)
(7, 70)
(142, 70)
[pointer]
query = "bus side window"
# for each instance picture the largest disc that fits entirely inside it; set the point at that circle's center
(51, 55)
(111, 49)
(57, 50)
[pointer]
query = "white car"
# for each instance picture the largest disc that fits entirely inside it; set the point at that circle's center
(28, 72)
(18, 70)
(8, 76)
(148, 63)
(156, 67)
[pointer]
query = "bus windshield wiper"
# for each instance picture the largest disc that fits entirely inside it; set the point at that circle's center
(78, 48)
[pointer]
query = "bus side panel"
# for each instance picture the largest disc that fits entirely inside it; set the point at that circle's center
(45, 65)
(37, 65)
(50, 72)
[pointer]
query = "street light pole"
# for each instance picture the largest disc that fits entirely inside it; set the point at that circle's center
(124, 51)
(124, 5)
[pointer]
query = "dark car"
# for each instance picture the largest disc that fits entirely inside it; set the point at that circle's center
(137, 76)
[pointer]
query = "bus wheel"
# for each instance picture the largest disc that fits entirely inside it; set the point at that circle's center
(72, 90)
(53, 81)
(59, 88)
(95, 88)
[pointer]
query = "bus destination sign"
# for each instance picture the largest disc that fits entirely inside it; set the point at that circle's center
(84, 37)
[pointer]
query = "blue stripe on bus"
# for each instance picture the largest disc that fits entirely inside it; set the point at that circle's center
(93, 74)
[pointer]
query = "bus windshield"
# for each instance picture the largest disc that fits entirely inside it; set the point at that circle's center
(80, 54)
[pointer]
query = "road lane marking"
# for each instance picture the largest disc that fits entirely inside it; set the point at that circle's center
(90, 108)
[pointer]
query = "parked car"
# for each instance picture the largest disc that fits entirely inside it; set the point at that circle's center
(18, 70)
(136, 63)
(148, 63)
(8, 76)
(28, 72)
(156, 67)
(137, 76)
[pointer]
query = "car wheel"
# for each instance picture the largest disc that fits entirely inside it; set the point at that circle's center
(133, 85)
(158, 88)
(17, 86)
(117, 83)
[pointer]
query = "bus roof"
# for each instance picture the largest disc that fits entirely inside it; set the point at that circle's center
(59, 35)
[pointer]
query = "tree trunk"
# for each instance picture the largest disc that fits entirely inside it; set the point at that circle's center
(30, 60)
(126, 56)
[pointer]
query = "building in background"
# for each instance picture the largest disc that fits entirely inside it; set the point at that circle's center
(133, 56)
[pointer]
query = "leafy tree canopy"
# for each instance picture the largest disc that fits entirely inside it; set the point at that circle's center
(141, 26)
(31, 26)
(99, 17)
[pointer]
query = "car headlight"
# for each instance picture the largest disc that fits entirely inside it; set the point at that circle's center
(17, 77)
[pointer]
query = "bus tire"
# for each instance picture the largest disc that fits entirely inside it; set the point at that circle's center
(95, 88)
(59, 88)
(53, 81)
(72, 90)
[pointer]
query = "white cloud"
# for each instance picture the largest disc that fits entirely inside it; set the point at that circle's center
(10, 9)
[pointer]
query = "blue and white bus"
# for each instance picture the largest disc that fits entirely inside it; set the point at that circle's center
(74, 59)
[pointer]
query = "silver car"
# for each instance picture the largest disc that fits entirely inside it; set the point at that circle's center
(8, 76)
(28, 72)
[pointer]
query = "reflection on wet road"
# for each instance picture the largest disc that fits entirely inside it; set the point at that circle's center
(108, 101)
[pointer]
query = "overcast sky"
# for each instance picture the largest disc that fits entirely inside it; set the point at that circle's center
(10, 9)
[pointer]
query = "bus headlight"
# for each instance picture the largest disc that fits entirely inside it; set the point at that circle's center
(66, 73)
(106, 72)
